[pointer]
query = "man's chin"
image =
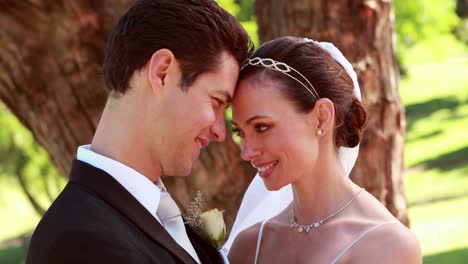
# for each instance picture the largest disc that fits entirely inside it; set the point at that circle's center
(181, 171)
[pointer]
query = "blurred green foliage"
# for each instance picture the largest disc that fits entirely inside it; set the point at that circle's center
(230, 5)
(251, 28)
(422, 20)
(247, 10)
(243, 10)
(22, 158)
(462, 31)
(425, 28)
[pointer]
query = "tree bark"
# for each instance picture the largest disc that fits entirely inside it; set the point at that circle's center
(364, 31)
(51, 78)
(462, 8)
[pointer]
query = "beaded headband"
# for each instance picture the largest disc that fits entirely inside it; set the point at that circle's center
(283, 68)
(286, 69)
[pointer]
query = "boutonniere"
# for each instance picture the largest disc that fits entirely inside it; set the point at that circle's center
(209, 224)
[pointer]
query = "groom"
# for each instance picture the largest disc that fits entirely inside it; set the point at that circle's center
(171, 67)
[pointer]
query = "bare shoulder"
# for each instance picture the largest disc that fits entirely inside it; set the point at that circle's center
(390, 243)
(244, 246)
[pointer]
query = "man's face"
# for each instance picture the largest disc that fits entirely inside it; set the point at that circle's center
(194, 118)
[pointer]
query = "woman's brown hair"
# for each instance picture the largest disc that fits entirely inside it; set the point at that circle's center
(327, 77)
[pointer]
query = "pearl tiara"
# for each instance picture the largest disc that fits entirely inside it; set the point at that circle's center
(284, 69)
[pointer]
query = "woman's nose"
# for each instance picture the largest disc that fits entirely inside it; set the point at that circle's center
(249, 151)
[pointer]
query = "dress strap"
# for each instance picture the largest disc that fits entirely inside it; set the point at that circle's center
(359, 238)
(259, 240)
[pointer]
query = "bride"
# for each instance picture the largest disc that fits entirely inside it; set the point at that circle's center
(296, 107)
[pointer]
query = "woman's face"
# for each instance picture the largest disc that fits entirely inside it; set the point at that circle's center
(278, 141)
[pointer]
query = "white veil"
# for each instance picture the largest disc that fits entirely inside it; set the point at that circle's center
(258, 203)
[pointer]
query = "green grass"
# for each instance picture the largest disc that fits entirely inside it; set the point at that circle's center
(441, 229)
(435, 184)
(435, 96)
(13, 255)
(452, 256)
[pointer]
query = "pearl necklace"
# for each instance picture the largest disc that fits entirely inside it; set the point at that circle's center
(301, 228)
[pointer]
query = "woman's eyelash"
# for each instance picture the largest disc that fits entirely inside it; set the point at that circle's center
(237, 131)
(260, 128)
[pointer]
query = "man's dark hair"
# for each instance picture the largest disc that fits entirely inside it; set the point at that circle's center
(196, 31)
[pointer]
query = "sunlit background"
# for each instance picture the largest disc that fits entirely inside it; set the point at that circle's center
(433, 57)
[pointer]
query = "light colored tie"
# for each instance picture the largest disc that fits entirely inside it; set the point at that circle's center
(170, 216)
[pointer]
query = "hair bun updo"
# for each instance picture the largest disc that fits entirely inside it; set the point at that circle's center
(349, 134)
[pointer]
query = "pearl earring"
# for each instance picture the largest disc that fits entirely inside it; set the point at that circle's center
(319, 132)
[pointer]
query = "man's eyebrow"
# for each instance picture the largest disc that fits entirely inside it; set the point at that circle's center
(226, 95)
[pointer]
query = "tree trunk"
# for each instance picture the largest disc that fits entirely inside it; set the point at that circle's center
(51, 78)
(462, 8)
(364, 31)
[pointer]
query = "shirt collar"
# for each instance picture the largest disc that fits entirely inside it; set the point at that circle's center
(145, 192)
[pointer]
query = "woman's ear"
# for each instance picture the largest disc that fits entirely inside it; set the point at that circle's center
(324, 112)
(161, 63)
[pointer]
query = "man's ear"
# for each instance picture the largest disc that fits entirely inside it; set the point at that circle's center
(160, 64)
(324, 113)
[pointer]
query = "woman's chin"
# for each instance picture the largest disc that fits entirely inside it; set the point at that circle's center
(273, 187)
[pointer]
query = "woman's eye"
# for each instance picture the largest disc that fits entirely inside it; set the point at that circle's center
(261, 127)
(237, 132)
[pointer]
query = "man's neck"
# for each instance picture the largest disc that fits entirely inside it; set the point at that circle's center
(119, 137)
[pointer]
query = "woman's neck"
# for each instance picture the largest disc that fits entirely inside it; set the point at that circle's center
(323, 191)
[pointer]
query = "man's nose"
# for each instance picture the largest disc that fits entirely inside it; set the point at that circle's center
(219, 128)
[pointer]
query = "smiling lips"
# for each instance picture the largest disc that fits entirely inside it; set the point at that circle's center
(202, 142)
(265, 169)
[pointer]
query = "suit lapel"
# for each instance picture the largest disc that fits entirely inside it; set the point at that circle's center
(118, 197)
(205, 250)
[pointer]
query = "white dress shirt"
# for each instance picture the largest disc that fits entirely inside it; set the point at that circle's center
(145, 191)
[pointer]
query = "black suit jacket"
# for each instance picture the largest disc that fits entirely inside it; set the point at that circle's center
(95, 220)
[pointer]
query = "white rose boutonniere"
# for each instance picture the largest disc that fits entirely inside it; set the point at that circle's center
(214, 226)
(209, 224)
